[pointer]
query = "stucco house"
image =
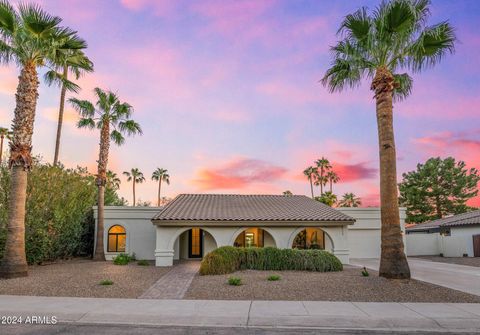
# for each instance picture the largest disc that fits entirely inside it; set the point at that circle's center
(453, 236)
(191, 225)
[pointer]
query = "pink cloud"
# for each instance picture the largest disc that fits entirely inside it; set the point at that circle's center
(353, 172)
(238, 174)
(158, 7)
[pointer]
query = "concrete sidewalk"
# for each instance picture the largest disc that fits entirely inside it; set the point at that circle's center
(458, 277)
(407, 317)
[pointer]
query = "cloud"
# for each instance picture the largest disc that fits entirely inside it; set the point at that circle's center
(157, 7)
(238, 174)
(353, 172)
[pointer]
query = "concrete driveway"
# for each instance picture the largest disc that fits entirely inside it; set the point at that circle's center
(458, 277)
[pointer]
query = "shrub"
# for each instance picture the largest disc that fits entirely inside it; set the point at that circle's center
(235, 281)
(230, 259)
(365, 272)
(143, 262)
(273, 278)
(122, 259)
(106, 282)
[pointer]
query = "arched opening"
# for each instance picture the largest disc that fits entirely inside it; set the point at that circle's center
(254, 237)
(312, 238)
(193, 243)
(117, 239)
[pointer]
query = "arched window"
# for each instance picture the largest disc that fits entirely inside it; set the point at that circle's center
(116, 239)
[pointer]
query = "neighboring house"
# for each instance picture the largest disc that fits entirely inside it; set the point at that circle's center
(192, 225)
(453, 236)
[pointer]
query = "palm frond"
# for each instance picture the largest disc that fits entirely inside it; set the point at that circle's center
(36, 20)
(8, 18)
(130, 127)
(86, 122)
(403, 86)
(84, 107)
(54, 78)
(357, 25)
(117, 137)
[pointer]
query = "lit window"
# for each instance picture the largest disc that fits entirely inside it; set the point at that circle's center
(116, 239)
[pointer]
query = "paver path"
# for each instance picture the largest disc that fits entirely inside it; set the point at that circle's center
(174, 283)
(459, 277)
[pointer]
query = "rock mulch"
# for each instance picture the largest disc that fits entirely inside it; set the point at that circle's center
(468, 261)
(81, 278)
(347, 285)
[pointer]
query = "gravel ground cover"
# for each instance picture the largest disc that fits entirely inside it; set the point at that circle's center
(81, 278)
(469, 261)
(347, 285)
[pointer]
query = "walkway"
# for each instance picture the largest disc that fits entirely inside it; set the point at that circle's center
(459, 277)
(407, 317)
(175, 283)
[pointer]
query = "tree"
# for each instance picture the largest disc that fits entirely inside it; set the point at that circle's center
(136, 177)
(113, 181)
(73, 62)
(328, 198)
(287, 192)
(332, 178)
(30, 38)
(323, 165)
(438, 188)
(350, 200)
(160, 175)
(4, 133)
(109, 113)
(310, 173)
(380, 46)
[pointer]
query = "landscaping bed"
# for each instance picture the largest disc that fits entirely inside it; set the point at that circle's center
(346, 285)
(81, 278)
(469, 261)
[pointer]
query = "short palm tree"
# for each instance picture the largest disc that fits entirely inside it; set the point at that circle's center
(160, 175)
(380, 46)
(73, 62)
(323, 165)
(113, 119)
(332, 178)
(4, 134)
(136, 177)
(113, 182)
(328, 198)
(350, 200)
(31, 39)
(310, 173)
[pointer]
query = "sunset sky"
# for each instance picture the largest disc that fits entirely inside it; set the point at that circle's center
(228, 96)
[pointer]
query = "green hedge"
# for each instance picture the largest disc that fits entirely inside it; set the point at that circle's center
(230, 259)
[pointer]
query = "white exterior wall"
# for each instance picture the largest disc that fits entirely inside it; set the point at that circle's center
(423, 244)
(364, 236)
(140, 231)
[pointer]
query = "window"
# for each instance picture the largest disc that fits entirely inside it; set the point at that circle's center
(116, 239)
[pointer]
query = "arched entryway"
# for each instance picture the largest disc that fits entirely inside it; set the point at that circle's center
(254, 237)
(312, 238)
(193, 243)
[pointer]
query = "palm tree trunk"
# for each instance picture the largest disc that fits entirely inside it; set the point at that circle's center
(1, 149)
(159, 191)
(331, 188)
(60, 118)
(311, 187)
(14, 262)
(321, 182)
(393, 262)
(99, 254)
(133, 183)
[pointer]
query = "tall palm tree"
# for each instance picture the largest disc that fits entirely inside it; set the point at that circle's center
(323, 165)
(113, 181)
(350, 200)
(113, 119)
(4, 133)
(160, 175)
(332, 178)
(380, 46)
(136, 177)
(73, 62)
(310, 173)
(30, 38)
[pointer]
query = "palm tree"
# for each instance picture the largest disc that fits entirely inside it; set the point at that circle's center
(310, 173)
(30, 38)
(107, 113)
(350, 200)
(332, 178)
(73, 62)
(380, 46)
(328, 198)
(323, 165)
(113, 182)
(287, 192)
(135, 176)
(160, 175)
(4, 133)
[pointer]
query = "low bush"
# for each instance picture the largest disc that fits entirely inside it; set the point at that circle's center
(230, 259)
(106, 282)
(122, 259)
(365, 272)
(273, 278)
(143, 262)
(235, 281)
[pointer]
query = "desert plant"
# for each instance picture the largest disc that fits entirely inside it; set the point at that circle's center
(122, 259)
(106, 282)
(273, 278)
(143, 262)
(365, 272)
(234, 281)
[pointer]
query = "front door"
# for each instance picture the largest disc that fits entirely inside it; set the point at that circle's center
(195, 243)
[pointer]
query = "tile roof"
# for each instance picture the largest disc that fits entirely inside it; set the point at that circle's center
(464, 219)
(232, 207)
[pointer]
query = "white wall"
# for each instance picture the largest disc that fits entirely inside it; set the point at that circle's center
(364, 236)
(423, 244)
